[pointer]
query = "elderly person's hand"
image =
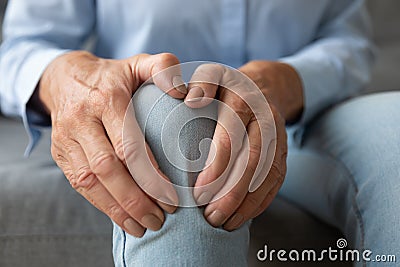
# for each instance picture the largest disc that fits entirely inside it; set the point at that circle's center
(255, 188)
(87, 98)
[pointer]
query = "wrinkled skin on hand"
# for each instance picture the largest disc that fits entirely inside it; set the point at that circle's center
(87, 97)
(252, 194)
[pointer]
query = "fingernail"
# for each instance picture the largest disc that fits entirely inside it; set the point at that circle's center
(195, 94)
(152, 222)
(179, 84)
(166, 205)
(204, 198)
(167, 201)
(235, 221)
(216, 218)
(133, 228)
(172, 197)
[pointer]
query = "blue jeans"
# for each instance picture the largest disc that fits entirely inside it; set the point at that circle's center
(346, 171)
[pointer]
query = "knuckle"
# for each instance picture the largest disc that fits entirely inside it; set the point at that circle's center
(277, 172)
(85, 180)
(116, 97)
(79, 108)
(119, 148)
(241, 108)
(128, 150)
(254, 151)
(210, 69)
(67, 116)
(252, 201)
(166, 59)
(224, 142)
(254, 157)
(115, 212)
(275, 169)
(207, 76)
(69, 175)
(71, 120)
(131, 204)
(103, 163)
(147, 185)
(234, 198)
(54, 152)
(58, 157)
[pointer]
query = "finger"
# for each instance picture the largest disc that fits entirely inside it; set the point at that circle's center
(239, 179)
(86, 183)
(268, 200)
(163, 70)
(250, 205)
(113, 175)
(227, 142)
(277, 149)
(203, 85)
(75, 167)
(242, 214)
(257, 201)
(129, 145)
(279, 166)
(263, 170)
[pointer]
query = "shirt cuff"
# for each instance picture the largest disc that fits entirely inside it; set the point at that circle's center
(316, 81)
(32, 71)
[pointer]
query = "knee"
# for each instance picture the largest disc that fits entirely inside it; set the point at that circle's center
(178, 136)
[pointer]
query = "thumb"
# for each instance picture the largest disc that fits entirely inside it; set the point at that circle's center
(161, 69)
(203, 85)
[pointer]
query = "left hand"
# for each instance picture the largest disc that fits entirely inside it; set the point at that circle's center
(281, 86)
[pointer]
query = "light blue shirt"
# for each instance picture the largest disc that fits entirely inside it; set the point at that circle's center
(326, 41)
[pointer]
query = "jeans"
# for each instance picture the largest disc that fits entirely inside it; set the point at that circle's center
(349, 177)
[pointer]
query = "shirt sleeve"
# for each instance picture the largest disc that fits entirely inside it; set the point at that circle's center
(35, 33)
(338, 63)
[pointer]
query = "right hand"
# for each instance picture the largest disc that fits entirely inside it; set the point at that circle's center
(87, 98)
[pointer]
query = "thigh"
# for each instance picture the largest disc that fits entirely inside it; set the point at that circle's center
(347, 171)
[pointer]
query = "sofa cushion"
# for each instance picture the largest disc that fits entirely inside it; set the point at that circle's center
(44, 222)
(385, 24)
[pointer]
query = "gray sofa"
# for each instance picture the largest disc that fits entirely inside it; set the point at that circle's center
(43, 222)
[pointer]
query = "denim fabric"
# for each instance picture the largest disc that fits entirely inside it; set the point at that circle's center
(186, 239)
(346, 172)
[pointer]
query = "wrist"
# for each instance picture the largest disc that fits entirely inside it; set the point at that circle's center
(280, 84)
